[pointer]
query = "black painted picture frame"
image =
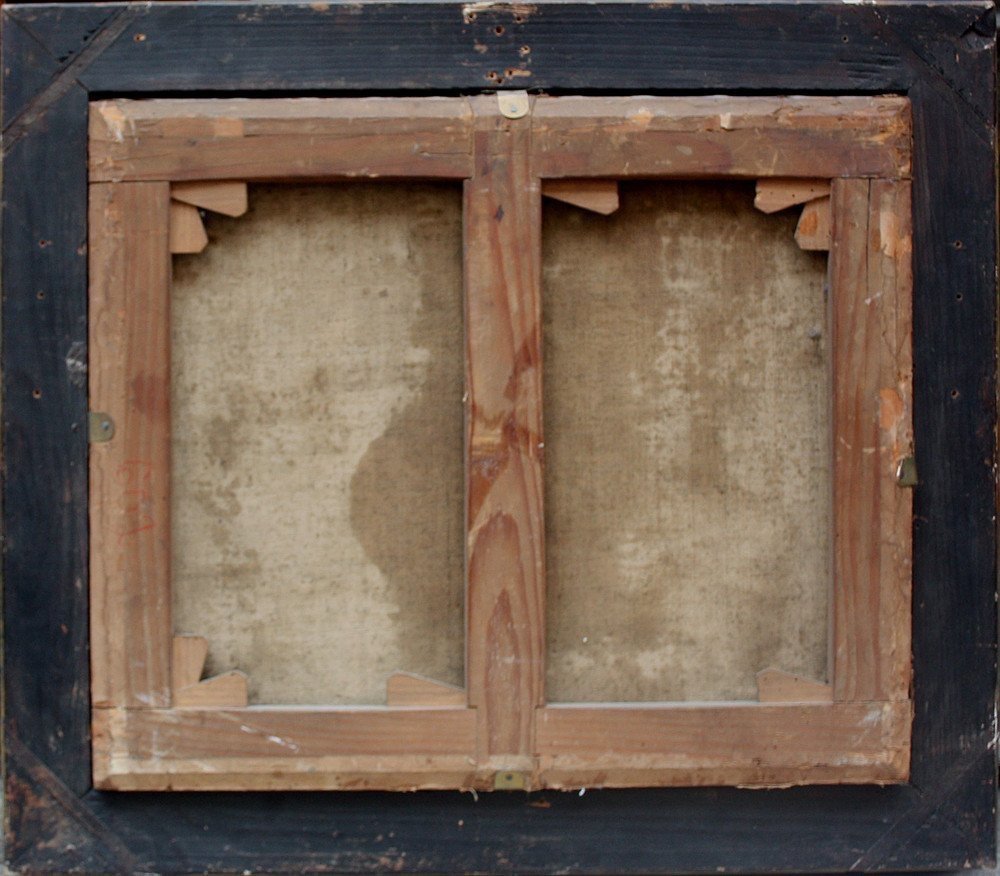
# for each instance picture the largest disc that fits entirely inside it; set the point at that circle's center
(56, 58)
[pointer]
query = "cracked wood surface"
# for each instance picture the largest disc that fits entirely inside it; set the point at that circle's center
(871, 324)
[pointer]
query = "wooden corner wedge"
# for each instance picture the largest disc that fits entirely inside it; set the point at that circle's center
(228, 197)
(187, 232)
(408, 689)
(813, 230)
(228, 690)
(187, 661)
(776, 686)
(780, 193)
(598, 195)
(187, 665)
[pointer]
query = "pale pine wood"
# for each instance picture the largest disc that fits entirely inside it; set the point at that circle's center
(288, 732)
(220, 196)
(129, 373)
(724, 743)
(187, 660)
(187, 231)
(410, 689)
(266, 748)
(228, 690)
(300, 138)
(597, 195)
(871, 329)
(776, 194)
(776, 686)
(412, 772)
(578, 746)
(813, 230)
(506, 570)
(816, 137)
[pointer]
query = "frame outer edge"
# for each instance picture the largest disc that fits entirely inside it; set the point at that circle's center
(958, 828)
(955, 405)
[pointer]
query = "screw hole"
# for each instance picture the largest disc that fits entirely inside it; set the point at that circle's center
(518, 18)
(36, 393)
(139, 38)
(845, 39)
(40, 295)
(958, 244)
(958, 296)
(44, 243)
(524, 50)
(954, 393)
(498, 30)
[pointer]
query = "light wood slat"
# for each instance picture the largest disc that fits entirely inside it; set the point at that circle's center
(890, 249)
(372, 773)
(225, 691)
(220, 196)
(579, 746)
(715, 136)
(506, 575)
(129, 475)
(776, 194)
(160, 749)
(276, 731)
(409, 689)
(775, 686)
(723, 743)
(302, 138)
(870, 325)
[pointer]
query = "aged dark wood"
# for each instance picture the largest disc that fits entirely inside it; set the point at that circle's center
(20, 85)
(941, 55)
(430, 46)
(46, 669)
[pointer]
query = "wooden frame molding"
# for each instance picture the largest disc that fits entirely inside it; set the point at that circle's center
(158, 725)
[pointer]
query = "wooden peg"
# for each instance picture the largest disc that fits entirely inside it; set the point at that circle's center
(228, 690)
(813, 230)
(598, 195)
(188, 661)
(780, 193)
(409, 689)
(187, 232)
(775, 686)
(228, 197)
